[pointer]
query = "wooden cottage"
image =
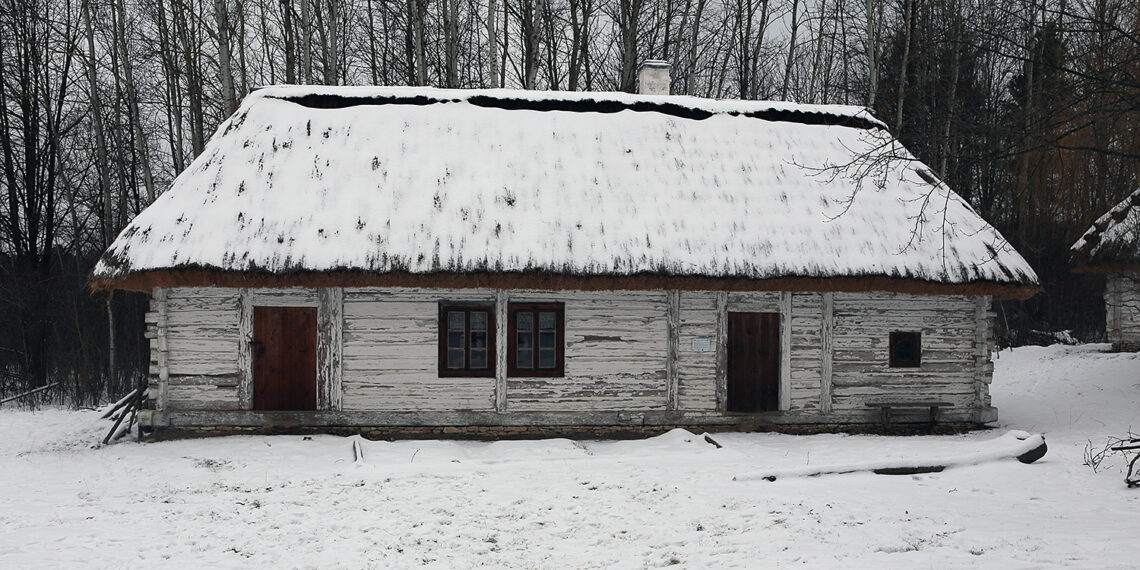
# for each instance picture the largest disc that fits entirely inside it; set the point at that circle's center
(1112, 246)
(423, 261)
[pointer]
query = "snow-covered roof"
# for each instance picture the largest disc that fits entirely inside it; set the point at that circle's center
(429, 181)
(1113, 241)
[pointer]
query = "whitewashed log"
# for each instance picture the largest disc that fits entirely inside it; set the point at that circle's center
(225, 321)
(416, 295)
(785, 396)
(330, 336)
(419, 392)
(162, 345)
(826, 352)
(981, 352)
(501, 299)
(290, 297)
(673, 317)
(202, 397)
(721, 351)
(245, 350)
(223, 381)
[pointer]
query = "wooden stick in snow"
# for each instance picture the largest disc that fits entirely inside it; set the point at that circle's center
(28, 393)
(357, 452)
(122, 402)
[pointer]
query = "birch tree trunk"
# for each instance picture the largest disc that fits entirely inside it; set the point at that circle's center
(492, 44)
(901, 96)
(874, 16)
(791, 50)
(225, 68)
(141, 147)
(451, 42)
(96, 103)
(307, 41)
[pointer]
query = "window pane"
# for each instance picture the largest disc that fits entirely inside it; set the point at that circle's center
(455, 320)
(546, 358)
(455, 340)
(478, 320)
(546, 321)
(525, 340)
(904, 349)
(478, 358)
(455, 358)
(525, 358)
(546, 340)
(525, 320)
(478, 339)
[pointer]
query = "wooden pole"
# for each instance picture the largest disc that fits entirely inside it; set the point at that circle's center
(28, 393)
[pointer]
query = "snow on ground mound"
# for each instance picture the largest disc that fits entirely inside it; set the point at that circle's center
(286, 501)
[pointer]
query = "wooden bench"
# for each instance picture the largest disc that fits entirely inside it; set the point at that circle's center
(886, 407)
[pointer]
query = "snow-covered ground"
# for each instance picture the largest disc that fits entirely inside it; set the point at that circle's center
(671, 500)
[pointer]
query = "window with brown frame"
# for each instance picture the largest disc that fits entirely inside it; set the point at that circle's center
(906, 349)
(535, 339)
(466, 340)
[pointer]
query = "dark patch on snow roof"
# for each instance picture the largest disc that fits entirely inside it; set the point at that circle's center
(583, 105)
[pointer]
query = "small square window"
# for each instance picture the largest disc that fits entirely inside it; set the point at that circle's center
(906, 349)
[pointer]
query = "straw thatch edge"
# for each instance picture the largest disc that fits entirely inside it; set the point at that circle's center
(197, 277)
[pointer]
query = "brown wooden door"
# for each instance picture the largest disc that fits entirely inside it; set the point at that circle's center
(753, 362)
(284, 358)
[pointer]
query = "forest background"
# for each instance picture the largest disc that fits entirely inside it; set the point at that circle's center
(1030, 109)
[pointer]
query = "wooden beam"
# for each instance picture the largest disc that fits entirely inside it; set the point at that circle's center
(245, 349)
(158, 300)
(673, 315)
(460, 418)
(330, 346)
(826, 352)
(982, 339)
(501, 300)
(785, 350)
(721, 350)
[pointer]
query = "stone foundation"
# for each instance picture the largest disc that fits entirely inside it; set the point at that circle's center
(492, 433)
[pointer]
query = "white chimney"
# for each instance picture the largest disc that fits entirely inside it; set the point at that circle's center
(653, 77)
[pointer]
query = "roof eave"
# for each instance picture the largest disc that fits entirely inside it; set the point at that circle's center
(198, 277)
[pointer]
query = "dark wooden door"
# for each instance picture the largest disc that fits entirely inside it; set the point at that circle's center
(753, 362)
(284, 358)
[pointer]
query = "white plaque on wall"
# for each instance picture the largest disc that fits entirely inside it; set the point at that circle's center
(701, 345)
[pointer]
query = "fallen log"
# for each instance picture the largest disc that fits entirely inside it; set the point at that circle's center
(1021, 446)
(28, 393)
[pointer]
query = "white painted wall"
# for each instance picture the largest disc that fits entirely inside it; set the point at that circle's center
(616, 350)
(1122, 310)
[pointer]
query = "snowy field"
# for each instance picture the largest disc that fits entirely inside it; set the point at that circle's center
(286, 502)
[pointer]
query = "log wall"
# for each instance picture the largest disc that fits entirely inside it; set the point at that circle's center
(626, 352)
(391, 351)
(955, 350)
(194, 349)
(1122, 310)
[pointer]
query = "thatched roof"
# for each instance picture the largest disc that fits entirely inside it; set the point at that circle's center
(1113, 241)
(306, 183)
